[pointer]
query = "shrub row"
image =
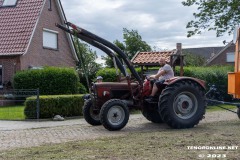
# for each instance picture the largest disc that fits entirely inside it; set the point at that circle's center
(50, 80)
(217, 75)
(110, 75)
(64, 105)
(214, 75)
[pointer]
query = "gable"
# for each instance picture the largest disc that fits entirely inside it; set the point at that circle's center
(40, 54)
(221, 56)
(17, 25)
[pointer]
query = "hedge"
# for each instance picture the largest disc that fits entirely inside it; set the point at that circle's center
(82, 89)
(109, 74)
(50, 80)
(217, 75)
(64, 105)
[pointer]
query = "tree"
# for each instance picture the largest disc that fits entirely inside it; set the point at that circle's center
(193, 59)
(219, 15)
(132, 44)
(108, 60)
(87, 66)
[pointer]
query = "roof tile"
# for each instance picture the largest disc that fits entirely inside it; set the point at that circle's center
(151, 57)
(17, 24)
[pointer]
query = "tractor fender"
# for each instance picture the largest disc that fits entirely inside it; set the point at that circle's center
(177, 79)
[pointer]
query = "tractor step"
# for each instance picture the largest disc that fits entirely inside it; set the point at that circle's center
(151, 100)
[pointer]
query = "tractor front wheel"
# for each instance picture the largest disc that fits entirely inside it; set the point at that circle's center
(91, 115)
(114, 114)
(182, 104)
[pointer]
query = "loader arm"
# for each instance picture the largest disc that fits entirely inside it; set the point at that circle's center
(97, 45)
(82, 33)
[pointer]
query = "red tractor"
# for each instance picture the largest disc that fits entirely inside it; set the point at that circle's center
(181, 101)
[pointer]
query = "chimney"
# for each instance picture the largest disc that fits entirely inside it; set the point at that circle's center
(179, 47)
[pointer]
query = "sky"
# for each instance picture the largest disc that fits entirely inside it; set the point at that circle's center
(161, 23)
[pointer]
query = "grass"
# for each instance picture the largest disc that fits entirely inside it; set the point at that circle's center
(164, 144)
(12, 112)
(17, 112)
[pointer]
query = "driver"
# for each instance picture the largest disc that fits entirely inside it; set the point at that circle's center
(165, 72)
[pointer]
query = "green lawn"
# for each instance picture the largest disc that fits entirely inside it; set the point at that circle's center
(12, 113)
(17, 112)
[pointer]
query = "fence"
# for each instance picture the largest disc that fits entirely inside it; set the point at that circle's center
(12, 103)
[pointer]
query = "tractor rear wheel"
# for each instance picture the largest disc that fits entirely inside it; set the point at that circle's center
(114, 114)
(91, 115)
(182, 104)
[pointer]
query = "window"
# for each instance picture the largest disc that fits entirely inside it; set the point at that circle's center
(9, 3)
(50, 39)
(230, 57)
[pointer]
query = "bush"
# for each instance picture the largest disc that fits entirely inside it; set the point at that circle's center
(212, 75)
(82, 89)
(217, 75)
(50, 80)
(64, 105)
(84, 81)
(108, 74)
(194, 60)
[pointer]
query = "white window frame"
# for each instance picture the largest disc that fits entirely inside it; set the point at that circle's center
(6, 3)
(45, 45)
(230, 57)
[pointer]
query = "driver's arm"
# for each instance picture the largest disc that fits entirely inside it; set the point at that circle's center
(158, 75)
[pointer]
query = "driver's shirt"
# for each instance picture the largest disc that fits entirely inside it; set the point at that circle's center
(168, 72)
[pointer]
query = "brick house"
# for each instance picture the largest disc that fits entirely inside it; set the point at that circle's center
(224, 56)
(214, 55)
(29, 37)
(206, 52)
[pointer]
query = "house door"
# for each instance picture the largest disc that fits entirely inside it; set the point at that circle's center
(1, 77)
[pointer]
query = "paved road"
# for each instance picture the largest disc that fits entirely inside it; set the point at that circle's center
(15, 134)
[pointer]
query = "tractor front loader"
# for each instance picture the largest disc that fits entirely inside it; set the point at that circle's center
(180, 103)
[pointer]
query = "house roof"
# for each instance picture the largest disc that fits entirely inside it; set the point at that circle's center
(219, 53)
(203, 51)
(151, 58)
(17, 25)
